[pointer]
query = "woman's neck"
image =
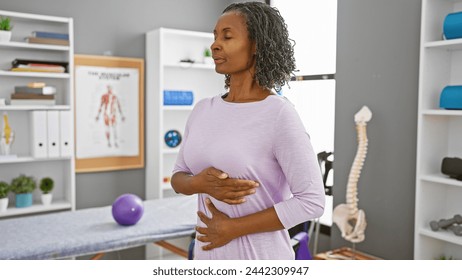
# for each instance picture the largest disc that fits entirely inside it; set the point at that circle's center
(245, 91)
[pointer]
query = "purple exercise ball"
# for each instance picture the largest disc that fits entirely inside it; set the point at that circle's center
(127, 209)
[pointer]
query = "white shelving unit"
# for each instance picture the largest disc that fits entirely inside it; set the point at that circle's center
(439, 134)
(164, 71)
(60, 169)
(164, 50)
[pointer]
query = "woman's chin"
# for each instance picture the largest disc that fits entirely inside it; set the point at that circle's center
(219, 70)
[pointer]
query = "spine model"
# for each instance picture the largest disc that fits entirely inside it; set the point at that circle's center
(348, 217)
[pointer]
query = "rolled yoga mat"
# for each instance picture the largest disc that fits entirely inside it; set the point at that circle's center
(451, 98)
(452, 26)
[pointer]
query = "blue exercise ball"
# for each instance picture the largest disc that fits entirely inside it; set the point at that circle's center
(127, 209)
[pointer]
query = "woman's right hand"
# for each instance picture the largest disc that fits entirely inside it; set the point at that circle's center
(218, 185)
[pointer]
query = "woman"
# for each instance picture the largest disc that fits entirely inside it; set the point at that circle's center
(246, 153)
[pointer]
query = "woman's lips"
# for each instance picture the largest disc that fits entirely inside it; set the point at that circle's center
(218, 60)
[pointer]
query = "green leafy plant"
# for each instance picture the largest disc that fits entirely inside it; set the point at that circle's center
(207, 52)
(23, 184)
(46, 185)
(5, 24)
(4, 189)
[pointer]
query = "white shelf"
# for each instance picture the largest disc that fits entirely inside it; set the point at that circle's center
(187, 65)
(26, 16)
(33, 46)
(170, 151)
(440, 179)
(166, 186)
(35, 74)
(36, 208)
(442, 112)
(30, 159)
(448, 45)
(177, 108)
(443, 235)
(185, 33)
(34, 107)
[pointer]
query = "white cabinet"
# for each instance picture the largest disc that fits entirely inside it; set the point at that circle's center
(59, 166)
(439, 134)
(165, 48)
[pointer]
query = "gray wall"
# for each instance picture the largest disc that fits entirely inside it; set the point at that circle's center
(377, 66)
(119, 26)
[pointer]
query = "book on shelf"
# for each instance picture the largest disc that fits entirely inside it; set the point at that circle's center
(47, 41)
(44, 67)
(47, 102)
(52, 35)
(19, 61)
(36, 84)
(42, 90)
(36, 69)
(20, 95)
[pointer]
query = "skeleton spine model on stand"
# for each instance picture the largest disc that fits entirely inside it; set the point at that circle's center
(351, 220)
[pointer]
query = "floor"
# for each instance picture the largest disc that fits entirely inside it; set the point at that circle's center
(323, 246)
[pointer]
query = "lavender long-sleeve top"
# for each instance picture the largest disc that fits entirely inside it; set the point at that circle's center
(263, 141)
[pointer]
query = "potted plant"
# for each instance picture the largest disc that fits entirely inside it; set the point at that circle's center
(23, 186)
(208, 56)
(5, 29)
(4, 190)
(46, 186)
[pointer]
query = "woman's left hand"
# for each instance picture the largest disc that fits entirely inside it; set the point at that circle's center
(219, 230)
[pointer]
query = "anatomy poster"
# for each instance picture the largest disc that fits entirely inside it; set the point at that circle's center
(107, 117)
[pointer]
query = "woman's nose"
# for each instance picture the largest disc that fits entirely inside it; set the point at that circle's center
(215, 46)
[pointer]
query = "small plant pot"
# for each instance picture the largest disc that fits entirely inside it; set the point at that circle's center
(5, 36)
(3, 204)
(23, 200)
(47, 198)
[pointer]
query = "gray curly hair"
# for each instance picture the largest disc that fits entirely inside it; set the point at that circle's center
(275, 62)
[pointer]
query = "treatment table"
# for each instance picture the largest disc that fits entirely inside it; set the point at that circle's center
(94, 231)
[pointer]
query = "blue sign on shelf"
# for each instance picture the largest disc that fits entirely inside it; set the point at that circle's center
(178, 97)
